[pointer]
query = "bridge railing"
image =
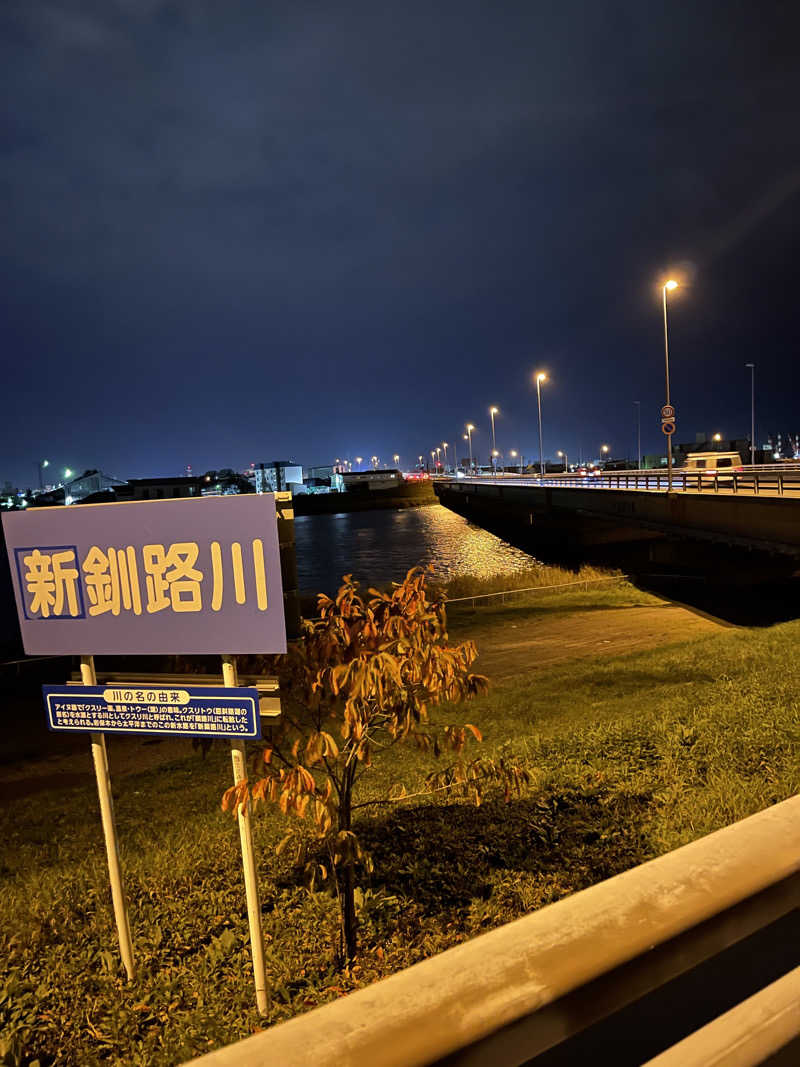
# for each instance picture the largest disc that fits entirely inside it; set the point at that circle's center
(515, 992)
(752, 481)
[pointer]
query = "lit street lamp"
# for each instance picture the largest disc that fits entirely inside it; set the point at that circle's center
(493, 411)
(752, 367)
(359, 460)
(541, 377)
(668, 286)
(40, 467)
(468, 437)
(604, 451)
(396, 459)
(67, 473)
(513, 454)
(374, 463)
(444, 446)
(563, 455)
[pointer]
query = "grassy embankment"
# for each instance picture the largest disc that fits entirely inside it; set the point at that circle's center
(632, 756)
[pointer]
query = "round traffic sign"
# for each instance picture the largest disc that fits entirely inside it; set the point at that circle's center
(668, 412)
(668, 428)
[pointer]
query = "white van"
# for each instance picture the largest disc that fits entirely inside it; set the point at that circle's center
(712, 464)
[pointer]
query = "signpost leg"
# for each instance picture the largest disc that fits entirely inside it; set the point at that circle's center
(100, 757)
(248, 857)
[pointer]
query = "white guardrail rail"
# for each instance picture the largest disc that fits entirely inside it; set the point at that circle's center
(754, 481)
(510, 995)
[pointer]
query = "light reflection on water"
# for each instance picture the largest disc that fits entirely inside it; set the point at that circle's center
(380, 546)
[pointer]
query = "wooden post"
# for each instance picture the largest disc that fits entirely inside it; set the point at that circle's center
(100, 757)
(239, 759)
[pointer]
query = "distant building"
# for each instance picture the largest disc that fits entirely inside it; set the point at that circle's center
(367, 481)
(327, 479)
(77, 490)
(277, 476)
(784, 446)
(87, 484)
(158, 488)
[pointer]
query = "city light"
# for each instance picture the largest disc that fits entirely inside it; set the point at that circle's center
(540, 378)
(67, 473)
(671, 284)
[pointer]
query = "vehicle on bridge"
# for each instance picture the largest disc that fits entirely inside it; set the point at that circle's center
(712, 464)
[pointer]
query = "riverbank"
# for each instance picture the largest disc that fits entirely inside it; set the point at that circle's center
(632, 753)
(410, 495)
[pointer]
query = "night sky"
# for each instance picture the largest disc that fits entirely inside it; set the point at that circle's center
(240, 231)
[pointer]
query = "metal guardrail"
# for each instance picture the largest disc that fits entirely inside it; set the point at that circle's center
(746, 1035)
(511, 994)
(753, 481)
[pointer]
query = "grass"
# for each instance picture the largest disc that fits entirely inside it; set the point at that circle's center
(631, 757)
(539, 576)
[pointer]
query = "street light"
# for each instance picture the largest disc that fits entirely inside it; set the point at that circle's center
(752, 367)
(717, 438)
(513, 454)
(40, 466)
(540, 377)
(374, 463)
(668, 286)
(468, 435)
(563, 455)
(67, 473)
(396, 459)
(444, 446)
(493, 411)
(638, 405)
(358, 460)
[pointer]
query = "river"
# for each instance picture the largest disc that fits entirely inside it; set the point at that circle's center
(380, 546)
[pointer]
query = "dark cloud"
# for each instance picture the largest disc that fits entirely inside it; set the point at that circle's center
(315, 229)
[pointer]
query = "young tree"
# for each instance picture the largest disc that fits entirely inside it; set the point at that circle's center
(363, 676)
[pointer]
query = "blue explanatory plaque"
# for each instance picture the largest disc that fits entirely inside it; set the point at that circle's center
(177, 711)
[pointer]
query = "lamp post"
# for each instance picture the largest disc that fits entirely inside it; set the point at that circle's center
(40, 466)
(358, 460)
(468, 436)
(513, 454)
(444, 446)
(638, 405)
(717, 439)
(540, 377)
(564, 456)
(668, 286)
(438, 460)
(752, 367)
(603, 452)
(396, 459)
(492, 412)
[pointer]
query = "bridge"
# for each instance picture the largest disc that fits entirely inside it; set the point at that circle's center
(700, 520)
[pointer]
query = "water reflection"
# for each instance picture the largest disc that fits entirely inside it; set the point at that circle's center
(380, 546)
